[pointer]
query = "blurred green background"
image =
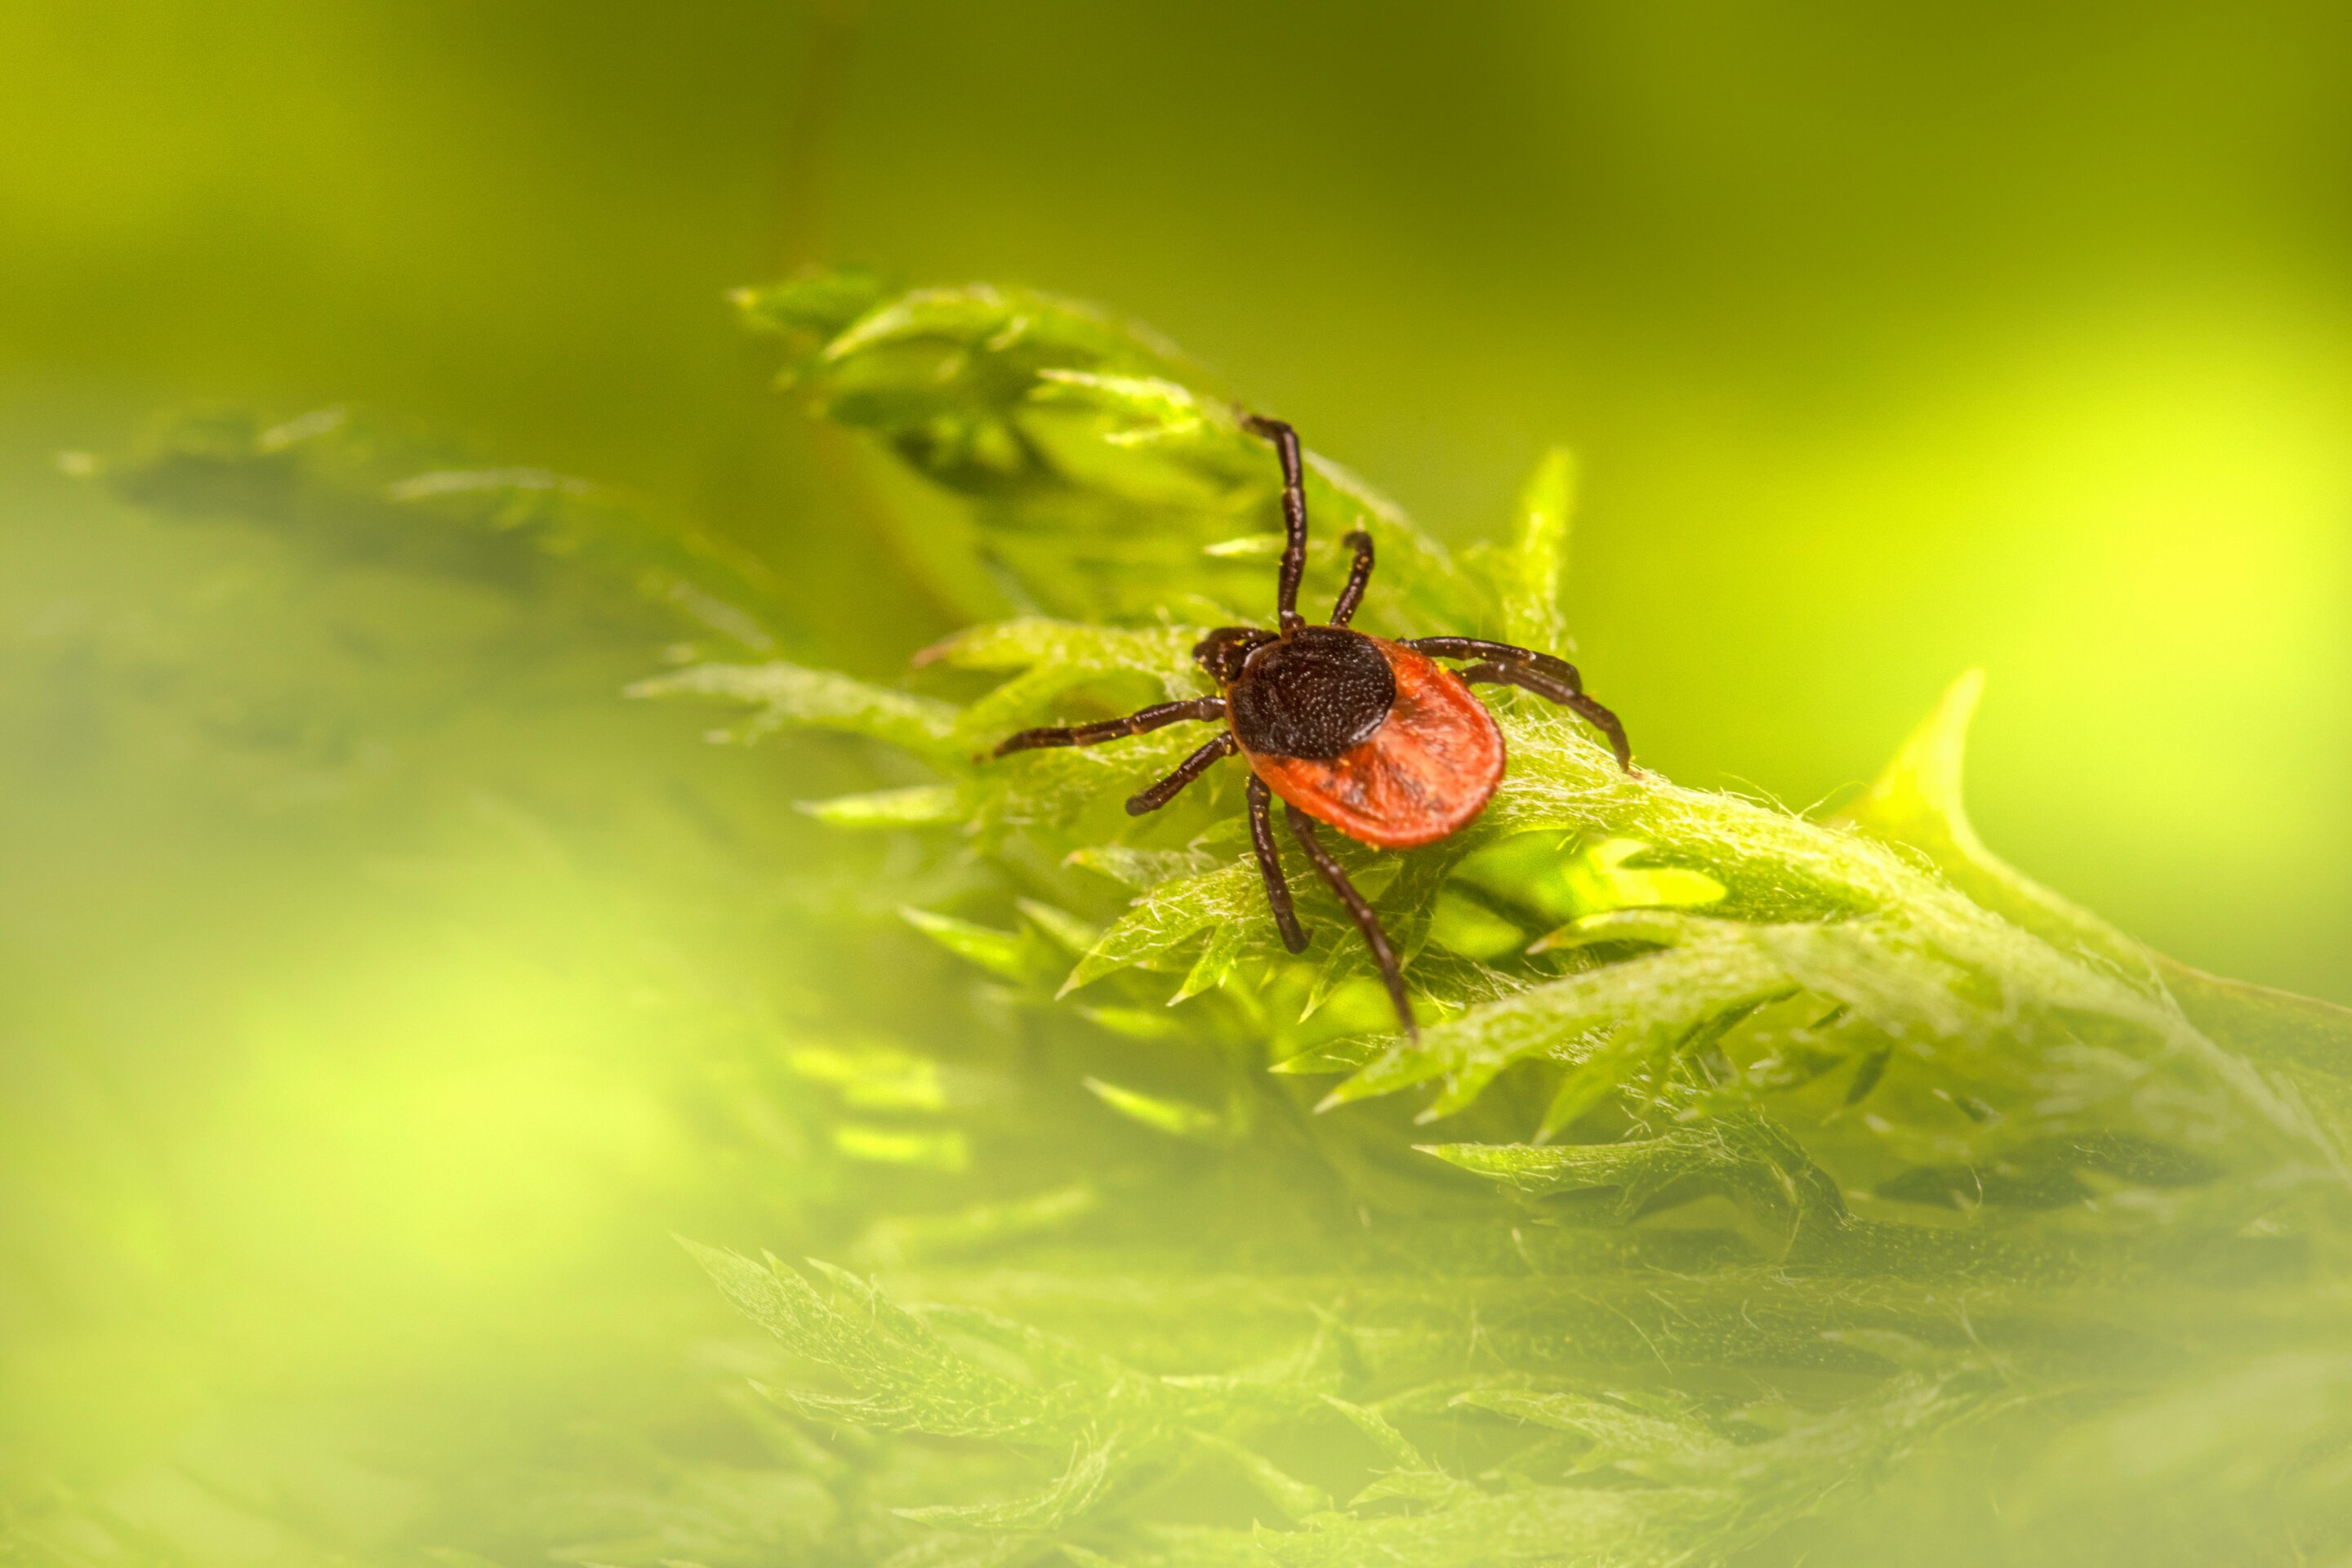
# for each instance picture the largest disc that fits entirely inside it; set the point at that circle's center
(1891, 340)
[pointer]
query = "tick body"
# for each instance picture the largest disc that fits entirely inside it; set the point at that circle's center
(1374, 738)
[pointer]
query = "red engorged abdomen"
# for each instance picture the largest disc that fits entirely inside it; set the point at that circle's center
(1426, 773)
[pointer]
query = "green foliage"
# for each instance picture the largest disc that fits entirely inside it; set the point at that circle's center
(349, 488)
(1978, 1123)
(1811, 1190)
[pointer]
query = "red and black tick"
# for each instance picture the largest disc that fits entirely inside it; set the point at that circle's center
(1373, 737)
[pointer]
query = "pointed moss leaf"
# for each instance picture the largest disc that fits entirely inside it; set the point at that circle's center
(1462, 924)
(1643, 1001)
(1539, 553)
(1341, 963)
(1218, 956)
(903, 1376)
(1376, 1427)
(1530, 872)
(1772, 865)
(788, 1440)
(1005, 322)
(1641, 1166)
(1709, 1504)
(1137, 410)
(1745, 1153)
(475, 481)
(1073, 935)
(1923, 979)
(1400, 1066)
(1424, 1485)
(1251, 547)
(1614, 1431)
(1866, 1431)
(790, 697)
(927, 1150)
(1166, 917)
(945, 374)
(1600, 879)
(818, 304)
(1332, 1056)
(1008, 954)
(2306, 1042)
(1093, 1470)
(1142, 869)
(1918, 801)
(1659, 928)
(1134, 1023)
(1885, 974)
(1583, 1086)
(1173, 1117)
(917, 806)
(873, 1077)
(1060, 1365)
(1294, 1498)
(1160, 651)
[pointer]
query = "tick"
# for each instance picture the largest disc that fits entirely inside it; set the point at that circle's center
(1372, 737)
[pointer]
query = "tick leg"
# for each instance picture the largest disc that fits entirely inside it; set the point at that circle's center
(1544, 686)
(1391, 970)
(1293, 516)
(1269, 864)
(1188, 769)
(1559, 669)
(1359, 574)
(1153, 717)
(1554, 679)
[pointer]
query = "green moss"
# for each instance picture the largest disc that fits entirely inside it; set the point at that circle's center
(1763, 1189)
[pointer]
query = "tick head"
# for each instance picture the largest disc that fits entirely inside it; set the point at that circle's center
(1224, 651)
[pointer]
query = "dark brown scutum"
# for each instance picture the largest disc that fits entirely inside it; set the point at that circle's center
(1313, 694)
